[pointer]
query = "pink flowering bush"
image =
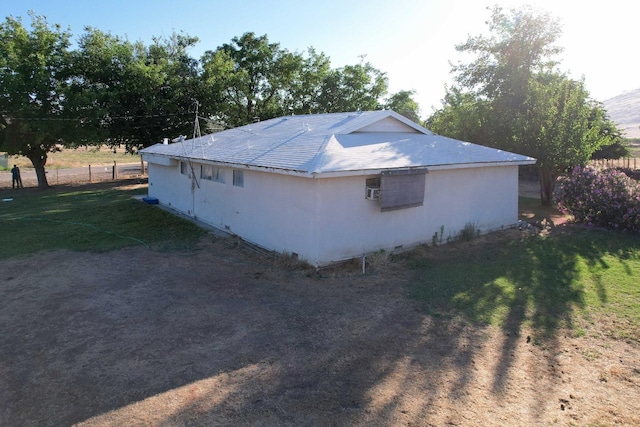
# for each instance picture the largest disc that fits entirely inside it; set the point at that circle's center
(604, 198)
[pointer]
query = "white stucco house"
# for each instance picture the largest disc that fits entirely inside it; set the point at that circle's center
(329, 187)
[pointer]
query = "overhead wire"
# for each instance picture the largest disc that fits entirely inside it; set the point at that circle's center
(89, 119)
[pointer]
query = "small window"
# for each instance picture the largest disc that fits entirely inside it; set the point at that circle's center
(206, 172)
(238, 178)
(373, 182)
(212, 173)
(184, 170)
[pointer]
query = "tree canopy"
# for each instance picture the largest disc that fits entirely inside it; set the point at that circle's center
(109, 90)
(403, 103)
(129, 94)
(512, 96)
(33, 85)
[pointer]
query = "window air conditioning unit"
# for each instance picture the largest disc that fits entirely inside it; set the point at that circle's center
(373, 193)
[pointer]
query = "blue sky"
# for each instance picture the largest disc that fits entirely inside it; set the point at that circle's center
(413, 41)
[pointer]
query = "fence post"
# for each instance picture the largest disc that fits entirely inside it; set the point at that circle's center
(113, 171)
(89, 173)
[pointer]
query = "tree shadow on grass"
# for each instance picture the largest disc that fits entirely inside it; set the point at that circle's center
(215, 338)
(535, 284)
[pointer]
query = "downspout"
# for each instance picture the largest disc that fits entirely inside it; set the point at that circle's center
(316, 232)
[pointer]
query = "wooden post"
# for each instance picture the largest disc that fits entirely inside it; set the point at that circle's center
(113, 171)
(141, 166)
(89, 173)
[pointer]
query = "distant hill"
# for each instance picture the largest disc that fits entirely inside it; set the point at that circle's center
(624, 110)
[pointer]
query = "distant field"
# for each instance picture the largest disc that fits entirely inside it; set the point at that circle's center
(80, 157)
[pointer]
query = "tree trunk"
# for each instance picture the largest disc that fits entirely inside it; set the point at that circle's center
(38, 160)
(547, 184)
(42, 177)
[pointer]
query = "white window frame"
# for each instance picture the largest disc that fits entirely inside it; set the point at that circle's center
(212, 173)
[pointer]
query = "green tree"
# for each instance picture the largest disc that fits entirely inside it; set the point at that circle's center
(462, 116)
(249, 78)
(33, 80)
(618, 147)
(616, 150)
(305, 88)
(517, 100)
(252, 78)
(134, 95)
(562, 128)
(403, 103)
(357, 87)
(98, 81)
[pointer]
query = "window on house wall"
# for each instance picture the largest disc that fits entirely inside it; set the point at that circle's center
(212, 173)
(238, 178)
(402, 189)
(373, 182)
(184, 168)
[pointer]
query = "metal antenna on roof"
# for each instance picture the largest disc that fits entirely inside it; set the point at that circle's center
(196, 133)
(196, 126)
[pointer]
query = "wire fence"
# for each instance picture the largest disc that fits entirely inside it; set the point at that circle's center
(82, 175)
(625, 162)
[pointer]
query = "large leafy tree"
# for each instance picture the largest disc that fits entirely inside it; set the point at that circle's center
(99, 81)
(134, 95)
(252, 78)
(109, 90)
(619, 147)
(403, 103)
(249, 78)
(359, 87)
(462, 116)
(562, 128)
(306, 85)
(34, 67)
(513, 97)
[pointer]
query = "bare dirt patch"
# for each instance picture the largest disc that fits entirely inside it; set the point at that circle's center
(224, 336)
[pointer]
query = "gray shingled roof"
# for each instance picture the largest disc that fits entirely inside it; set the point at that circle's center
(334, 143)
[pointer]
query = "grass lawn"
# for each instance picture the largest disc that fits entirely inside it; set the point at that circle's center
(91, 218)
(565, 279)
(568, 278)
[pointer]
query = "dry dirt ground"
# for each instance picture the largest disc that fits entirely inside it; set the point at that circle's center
(224, 336)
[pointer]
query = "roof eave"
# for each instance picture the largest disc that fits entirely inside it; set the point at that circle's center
(346, 173)
(450, 166)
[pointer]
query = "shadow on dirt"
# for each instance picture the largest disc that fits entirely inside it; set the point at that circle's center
(217, 337)
(534, 284)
